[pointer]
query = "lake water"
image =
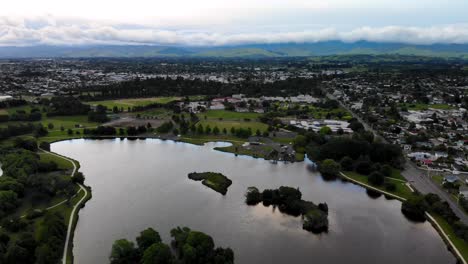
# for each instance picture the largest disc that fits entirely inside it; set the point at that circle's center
(143, 183)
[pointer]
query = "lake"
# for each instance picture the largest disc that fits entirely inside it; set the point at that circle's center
(143, 183)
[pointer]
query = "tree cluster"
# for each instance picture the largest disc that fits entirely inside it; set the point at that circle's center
(191, 247)
(288, 200)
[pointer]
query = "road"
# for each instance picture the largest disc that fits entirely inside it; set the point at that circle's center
(413, 174)
(423, 184)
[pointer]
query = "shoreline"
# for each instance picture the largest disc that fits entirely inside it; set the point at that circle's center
(446, 238)
(73, 220)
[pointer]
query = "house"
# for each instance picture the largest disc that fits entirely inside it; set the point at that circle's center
(451, 178)
(463, 191)
(217, 106)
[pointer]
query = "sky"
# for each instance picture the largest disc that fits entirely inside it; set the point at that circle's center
(218, 22)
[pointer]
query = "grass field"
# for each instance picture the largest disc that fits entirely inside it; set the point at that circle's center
(401, 189)
(228, 119)
(459, 243)
(125, 103)
(227, 115)
(62, 163)
(67, 122)
(236, 124)
(420, 107)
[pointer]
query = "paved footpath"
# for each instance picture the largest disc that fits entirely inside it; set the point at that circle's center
(77, 205)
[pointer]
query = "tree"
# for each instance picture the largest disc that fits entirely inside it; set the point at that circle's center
(253, 196)
(50, 126)
(40, 131)
(207, 129)
(325, 130)
(45, 145)
(415, 208)
(363, 167)
(376, 178)
(16, 254)
(329, 167)
(216, 130)
(78, 178)
(200, 129)
(346, 163)
(147, 238)
(300, 141)
(157, 253)
(123, 252)
(356, 126)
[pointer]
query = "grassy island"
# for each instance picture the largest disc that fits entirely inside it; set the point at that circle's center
(289, 201)
(213, 180)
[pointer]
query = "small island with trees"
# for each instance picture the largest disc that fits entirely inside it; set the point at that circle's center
(289, 201)
(188, 245)
(213, 180)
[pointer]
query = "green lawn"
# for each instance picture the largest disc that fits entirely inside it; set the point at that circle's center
(63, 164)
(160, 113)
(227, 115)
(258, 152)
(254, 125)
(420, 107)
(397, 174)
(459, 243)
(438, 179)
(401, 189)
(125, 103)
(68, 122)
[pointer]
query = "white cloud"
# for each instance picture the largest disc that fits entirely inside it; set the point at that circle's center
(48, 30)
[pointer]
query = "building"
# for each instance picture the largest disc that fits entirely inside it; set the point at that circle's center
(451, 178)
(4, 98)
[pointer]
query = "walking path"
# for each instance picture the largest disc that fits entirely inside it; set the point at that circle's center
(72, 215)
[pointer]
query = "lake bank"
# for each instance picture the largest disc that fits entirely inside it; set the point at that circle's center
(253, 232)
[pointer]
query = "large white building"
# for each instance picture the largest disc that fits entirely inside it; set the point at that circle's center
(5, 98)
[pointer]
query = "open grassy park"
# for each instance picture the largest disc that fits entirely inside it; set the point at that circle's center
(125, 103)
(401, 189)
(228, 119)
(421, 107)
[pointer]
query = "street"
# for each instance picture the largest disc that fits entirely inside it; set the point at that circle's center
(415, 176)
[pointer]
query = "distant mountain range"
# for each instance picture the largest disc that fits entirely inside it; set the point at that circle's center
(241, 51)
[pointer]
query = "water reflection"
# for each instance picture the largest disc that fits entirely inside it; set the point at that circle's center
(139, 183)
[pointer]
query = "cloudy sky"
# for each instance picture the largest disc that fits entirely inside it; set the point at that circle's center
(218, 22)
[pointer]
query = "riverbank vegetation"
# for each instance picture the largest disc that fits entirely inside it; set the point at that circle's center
(288, 200)
(213, 180)
(416, 208)
(188, 247)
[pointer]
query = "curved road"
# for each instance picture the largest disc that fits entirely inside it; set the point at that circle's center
(413, 174)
